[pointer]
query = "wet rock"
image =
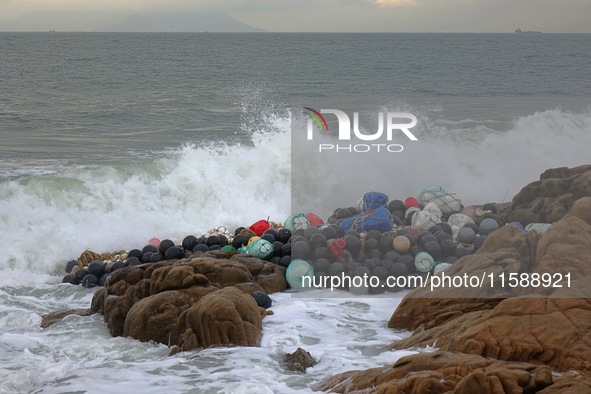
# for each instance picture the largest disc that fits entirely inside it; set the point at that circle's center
(550, 198)
(181, 303)
(55, 317)
(445, 372)
(298, 361)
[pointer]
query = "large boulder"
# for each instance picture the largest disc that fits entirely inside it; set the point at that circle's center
(544, 325)
(222, 318)
(446, 372)
(550, 198)
(506, 250)
(200, 301)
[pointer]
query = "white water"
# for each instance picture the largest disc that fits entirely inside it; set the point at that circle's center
(46, 219)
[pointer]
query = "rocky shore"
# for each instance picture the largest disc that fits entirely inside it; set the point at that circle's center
(539, 341)
(517, 339)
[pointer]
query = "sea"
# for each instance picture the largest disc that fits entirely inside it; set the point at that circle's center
(110, 139)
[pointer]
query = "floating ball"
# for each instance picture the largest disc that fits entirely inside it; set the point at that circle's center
(462, 251)
(154, 241)
(386, 244)
(156, 257)
(117, 265)
(473, 226)
(445, 227)
(479, 242)
(381, 272)
(317, 240)
(371, 244)
(399, 269)
(396, 205)
(391, 255)
(164, 245)
(320, 252)
(262, 299)
(401, 244)
(440, 267)
(321, 265)
(213, 240)
(103, 279)
(268, 237)
(300, 250)
(89, 281)
(411, 202)
(252, 240)
(70, 265)
(284, 261)
(261, 249)
(491, 206)
(189, 242)
(373, 234)
(353, 244)
(200, 248)
(448, 247)
(460, 220)
(329, 232)
(296, 271)
(518, 225)
(488, 225)
(239, 241)
(96, 268)
(173, 253)
(336, 269)
(135, 253)
(466, 236)
(146, 258)
(311, 231)
(424, 262)
(69, 278)
(149, 248)
(277, 245)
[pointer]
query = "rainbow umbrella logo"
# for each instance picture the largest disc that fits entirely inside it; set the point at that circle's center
(317, 117)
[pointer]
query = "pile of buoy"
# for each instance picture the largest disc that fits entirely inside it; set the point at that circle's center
(425, 235)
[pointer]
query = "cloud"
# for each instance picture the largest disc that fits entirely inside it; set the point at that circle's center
(394, 3)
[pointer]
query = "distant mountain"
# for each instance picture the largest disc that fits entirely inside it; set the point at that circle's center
(125, 22)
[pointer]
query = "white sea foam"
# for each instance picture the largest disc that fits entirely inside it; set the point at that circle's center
(46, 220)
(78, 354)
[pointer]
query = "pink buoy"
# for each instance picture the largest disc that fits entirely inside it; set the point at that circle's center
(154, 241)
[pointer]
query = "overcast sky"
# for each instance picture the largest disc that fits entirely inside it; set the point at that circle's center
(352, 15)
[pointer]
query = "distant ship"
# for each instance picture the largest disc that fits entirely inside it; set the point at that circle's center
(518, 30)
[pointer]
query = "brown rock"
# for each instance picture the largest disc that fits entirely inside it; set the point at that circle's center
(159, 302)
(555, 331)
(222, 318)
(298, 361)
(506, 250)
(443, 372)
(56, 317)
(550, 198)
(154, 317)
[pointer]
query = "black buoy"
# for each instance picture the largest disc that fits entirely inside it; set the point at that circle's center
(70, 265)
(189, 242)
(96, 268)
(262, 299)
(164, 245)
(174, 252)
(89, 281)
(200, 248)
